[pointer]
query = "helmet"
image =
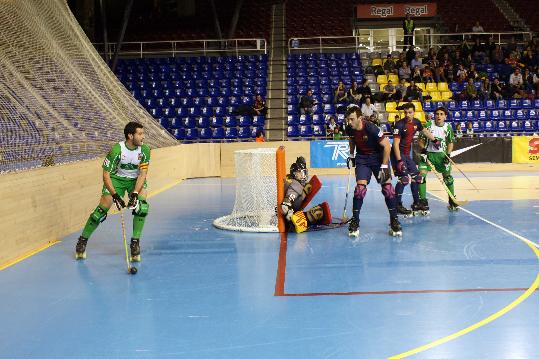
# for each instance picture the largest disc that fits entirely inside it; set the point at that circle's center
(298, 170)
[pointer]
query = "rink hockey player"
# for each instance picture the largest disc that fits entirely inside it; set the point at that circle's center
(124, 170)
(297, 195)
(403, 165)
(438, 155)
(369, 154)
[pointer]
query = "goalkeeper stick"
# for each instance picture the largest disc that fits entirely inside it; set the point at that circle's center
(455, 165)
(440, 178)
(344, 218)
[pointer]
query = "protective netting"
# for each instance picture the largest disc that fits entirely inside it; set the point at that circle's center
(59, 101)
(256, 193)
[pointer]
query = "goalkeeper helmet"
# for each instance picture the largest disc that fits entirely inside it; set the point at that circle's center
(298, 170)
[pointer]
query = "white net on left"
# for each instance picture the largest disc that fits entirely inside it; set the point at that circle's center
(256, 192)
(59, 101)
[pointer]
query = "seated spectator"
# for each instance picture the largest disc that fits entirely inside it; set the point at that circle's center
(477, 27)
(338, 133)
(428, 76)
(416, 75)
(439, 74)
(512, 60)
(365, 90)
(470, 92)
(306, 103)
(354, 93)
(458, 130)
(388, 92)
(469, 129)
(486, 89)
(400, 90)
(496, 90)
(450, 73)
(528, 85)
(389, 66)
(368, 109)
(478, 51)
(400, 60)
(340, 96)
(260, 136)
(462, 72)
(259, 107)
(405, 72)
(413, 93)
(416, 62)
(497, 55)
(331, 126)
(472, 73)
(516, 84)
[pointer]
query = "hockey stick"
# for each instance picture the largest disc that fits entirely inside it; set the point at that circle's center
(440, 178)
(455, 165)
(344, 218)
(130, 269)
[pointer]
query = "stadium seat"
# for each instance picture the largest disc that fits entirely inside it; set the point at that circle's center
(230, 121)
(477, 105)
(244, 132)
(478, 127)
(381, 79)
(507, 115)
(502, 104)
(530, 125)
(179, 133)
(231, 133)
(435, 96)
(515, 104)
(305, 119)
(391, 106)
(391, 117)
(482, 115)
(464, 105)
(495, 115)
(442, 86)
(515, 126)
(489, 126)
(244, 121)
(191, 134)
(527, 104)
(216, 121)
(533, 114)
(431, 87)
(293, 131)
(293, 120)
(202, 122)
(188, 122)
(319, 130)
(469, 115)
(306, 131)
(447, 95)
(428, 106)
(456, 116)
(205, 133)
(218, 133)
(259, 121)
(490, 104)
(318, 120)
(502, 126)
(521, 114)
(453, 106)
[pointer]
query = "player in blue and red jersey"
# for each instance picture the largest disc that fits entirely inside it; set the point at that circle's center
(403, 165)
(369, 154)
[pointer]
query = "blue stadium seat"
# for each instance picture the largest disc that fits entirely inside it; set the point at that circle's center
(244, 132)
(219, 111)
(216, 121)
(428, 106)
(507, 115)
(206, 111)
(234, 100)
(231, 133)
(202, 122)
(533, 114)
(515, 126)
(205, 133)
(495, 115)
(305, 119)
(293, 120)
(456, 116)
(292, 109)
(186, 101)
(188, 122)
(259, 121)
(477, 105)
(530, 125)
(489, 126)
(293, 131)
(230, 121)
(191, 134)
(222, 101)
(502, 126)
(197, 101)
(478, 127)
(319, 120)
(164, 121)
(515, 104)
(453, 106)
(319, 130)
(218, 133)
(527, 104)
(244, 121)
(328, 109)
(469, 115)
(521, 114)
(501, 104)
(193, 111)
(306, 131)
(246, 100)
(179, 133)
(464, 105)
(255, 129)
(482, 115)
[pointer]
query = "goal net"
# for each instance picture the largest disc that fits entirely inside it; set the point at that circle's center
(59, 101)
(259, 188)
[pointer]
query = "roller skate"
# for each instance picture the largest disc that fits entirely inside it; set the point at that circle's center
(80, 248)
(452, 207)
(353, 228)
(395, 228)
(404, 212)
(135, 250)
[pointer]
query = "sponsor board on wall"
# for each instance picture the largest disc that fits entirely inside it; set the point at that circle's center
(525, 149)
(392, 10)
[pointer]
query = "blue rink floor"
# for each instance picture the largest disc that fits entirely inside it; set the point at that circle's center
(206, 293)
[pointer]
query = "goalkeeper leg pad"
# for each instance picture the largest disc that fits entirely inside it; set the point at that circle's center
(299, 221)
(319, 214)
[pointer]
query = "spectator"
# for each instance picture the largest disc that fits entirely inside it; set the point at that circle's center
(400, 90)
(408, 26)
(295, 43)
(413, 93)
(458, 130)
(389, 66)
(416, 76)
(405, 72)
(497, 55)
(410, 55)
(485, 90)
(478, 51)
(462, 72)
(260, 136)
(527, 79)
(340, 96)
(365, 90)
(496, 90)
(477, 27)
(259, 107)
(368, 109)
(439, 74)
(388, 92)
(536, 82)
(400, 60)
(470, 92)
(306, 103)
(331, 126)
(428, 76)
(516, 84)
(469, 129)
(337, 133)
(416, 62)
(354, 94)
(472, 73)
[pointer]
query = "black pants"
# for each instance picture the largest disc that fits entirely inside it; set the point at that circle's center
(408, 40)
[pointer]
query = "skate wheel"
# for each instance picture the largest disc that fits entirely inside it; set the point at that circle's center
(135, 259)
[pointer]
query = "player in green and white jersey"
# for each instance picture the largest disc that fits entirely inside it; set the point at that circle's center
(438, 155)
(124, 170)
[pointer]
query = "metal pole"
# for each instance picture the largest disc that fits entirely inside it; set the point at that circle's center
(127, 12)
(104, 26)
(235, 17)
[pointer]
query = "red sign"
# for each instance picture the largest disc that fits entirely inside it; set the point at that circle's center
(391, 10)
(533, 146)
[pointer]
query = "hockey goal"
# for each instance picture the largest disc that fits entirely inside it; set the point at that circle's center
(259, 188)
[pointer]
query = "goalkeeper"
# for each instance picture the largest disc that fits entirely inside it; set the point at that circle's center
(438, 155)
(297, 194)
(124, 170)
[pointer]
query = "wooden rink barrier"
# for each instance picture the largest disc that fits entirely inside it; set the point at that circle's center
(43, 205)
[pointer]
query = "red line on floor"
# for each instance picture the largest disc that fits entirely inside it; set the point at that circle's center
(281, 267)
(424, 291)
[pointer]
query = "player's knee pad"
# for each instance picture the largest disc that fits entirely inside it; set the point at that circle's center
(142, 208)
(404, 179)
(449, 180)
(388, 191)
(360, 192)
(98, 215)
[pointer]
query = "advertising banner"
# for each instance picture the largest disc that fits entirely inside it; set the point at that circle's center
(329, 154)
(525, 149)
(392, 10)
